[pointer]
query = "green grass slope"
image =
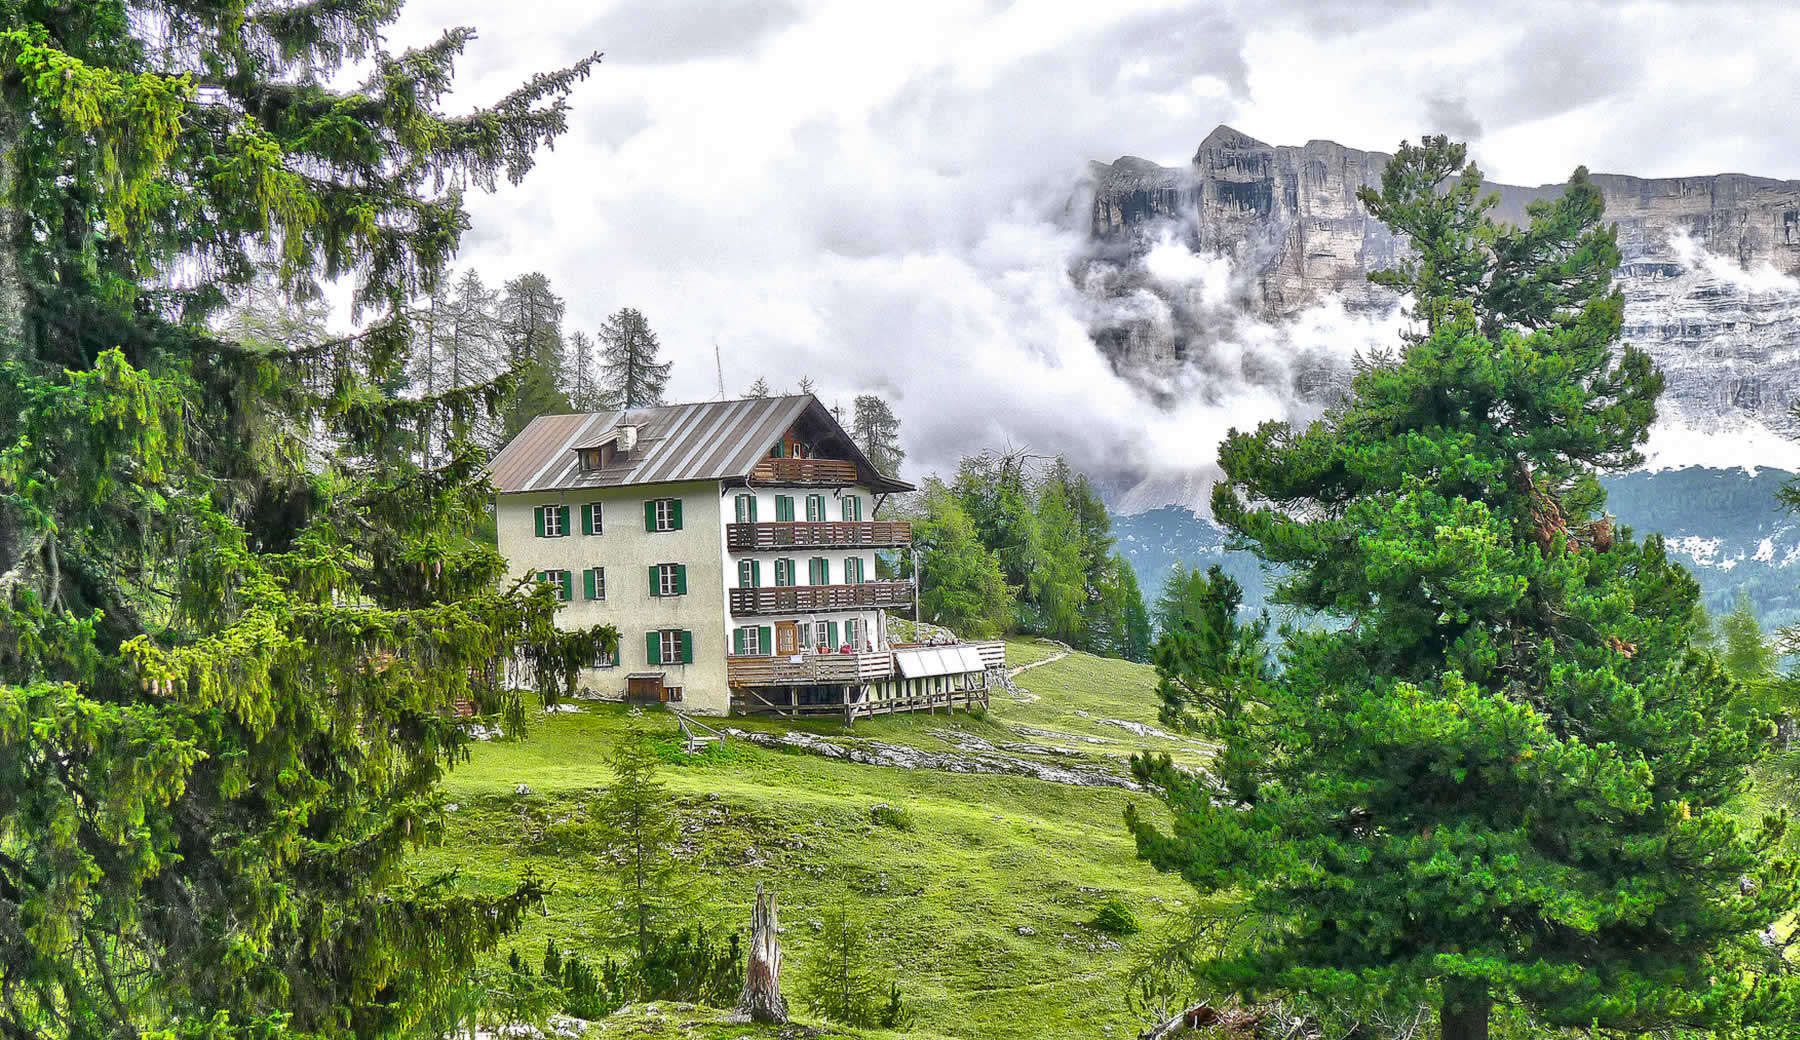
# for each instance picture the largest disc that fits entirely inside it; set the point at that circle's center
(980, 909)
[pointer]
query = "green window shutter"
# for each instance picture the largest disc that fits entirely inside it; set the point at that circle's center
(655, 582)
(537, 514)
(737, 641)
(687, 647)
(832, 631)
(587, 518)
(768, 640)
(587, 583)
(784, 508)
(562, 515)
(650, 515)
(681, 579)
(675, 504)
(653, 647)
(756, 574)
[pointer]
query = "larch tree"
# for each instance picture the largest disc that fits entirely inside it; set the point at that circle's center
(1501, 777)
(758, 389)
(876, 431)
(531, 328)
(961, 586)
(581, 373)
(235, 613)
(634, 377)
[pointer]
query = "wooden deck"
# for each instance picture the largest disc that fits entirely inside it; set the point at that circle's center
(753, 701)
(809, 669)
(801, 599)
(768, 537)
(830, 472)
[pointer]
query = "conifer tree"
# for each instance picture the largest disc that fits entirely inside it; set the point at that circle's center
(758, 389)
(806, 385)
(960, 584)
(1743, 651)
(638, 825)
(634, 377)
(1503, 778)
(581, 373)
(876, 431)
(839, 978)
(531, 329)
(235, 614)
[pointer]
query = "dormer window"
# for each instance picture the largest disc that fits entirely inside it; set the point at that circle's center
(592, 459)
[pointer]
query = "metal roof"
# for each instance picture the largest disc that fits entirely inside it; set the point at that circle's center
(710, 440)
(921, 662)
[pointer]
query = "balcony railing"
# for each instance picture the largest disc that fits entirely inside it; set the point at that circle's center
(880, 534)
(804, 669)
(800, 599)
(804, 471)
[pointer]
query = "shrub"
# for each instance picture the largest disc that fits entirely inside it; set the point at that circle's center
(1115, 918)
(891, 816)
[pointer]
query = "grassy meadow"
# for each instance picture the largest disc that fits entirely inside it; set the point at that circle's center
(981, 909)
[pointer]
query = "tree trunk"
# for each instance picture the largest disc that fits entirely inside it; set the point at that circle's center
(761, 1000)
(1465, 1012)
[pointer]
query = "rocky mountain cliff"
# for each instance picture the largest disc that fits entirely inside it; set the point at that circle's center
(1708, 273)
(1266, 237)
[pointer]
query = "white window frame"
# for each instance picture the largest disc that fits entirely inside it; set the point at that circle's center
(597, 516)
(747, 574)
(803, 636)
(556, 582)
(599, 585)
(752, 641)
(668, 640)
(665, 514)
(606, 660)
(668, 579)
(553, 522)
(853, 634)
(822, 635)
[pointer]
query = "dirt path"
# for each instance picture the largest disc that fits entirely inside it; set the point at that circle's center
(1019, 693)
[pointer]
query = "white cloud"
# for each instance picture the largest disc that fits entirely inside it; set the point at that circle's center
(880, 196)
(1763, 278)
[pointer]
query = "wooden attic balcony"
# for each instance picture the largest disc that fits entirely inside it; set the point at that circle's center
(827, 472)
(802, 599)
(768, 537)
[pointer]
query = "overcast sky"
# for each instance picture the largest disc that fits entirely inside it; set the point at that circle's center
(874, 194)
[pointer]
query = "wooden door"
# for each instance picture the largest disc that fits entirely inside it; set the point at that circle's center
(787, 638)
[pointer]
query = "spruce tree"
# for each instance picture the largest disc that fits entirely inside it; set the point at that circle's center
(235, 614)
(1501, 776)
(639, 827)
(634, 377)
(758, 389)
(581, 373)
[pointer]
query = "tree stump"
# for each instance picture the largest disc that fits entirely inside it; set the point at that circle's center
(761, 1000)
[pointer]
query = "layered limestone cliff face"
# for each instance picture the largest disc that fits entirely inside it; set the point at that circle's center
(1708, 273)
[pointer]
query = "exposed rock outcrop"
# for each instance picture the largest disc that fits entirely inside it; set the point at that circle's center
(1707, 275)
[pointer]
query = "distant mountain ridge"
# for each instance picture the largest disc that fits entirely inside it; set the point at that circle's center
(1725, 525)
(1708, 277)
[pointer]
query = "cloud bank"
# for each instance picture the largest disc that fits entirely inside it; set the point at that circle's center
(883, 197)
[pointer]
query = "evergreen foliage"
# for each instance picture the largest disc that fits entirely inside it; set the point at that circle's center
(639, 827)
(628, 350)
(960, 583)
(1052, 538)
(235, 612)
(840, 979)
(1504, 777)
(876, 431)
(580, 373)
(758, 389)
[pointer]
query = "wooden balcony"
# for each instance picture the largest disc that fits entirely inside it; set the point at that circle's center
(831, 472)
(879, 534)
(809, 669)
(801, 599)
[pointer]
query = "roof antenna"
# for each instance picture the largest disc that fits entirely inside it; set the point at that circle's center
(720, 365)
